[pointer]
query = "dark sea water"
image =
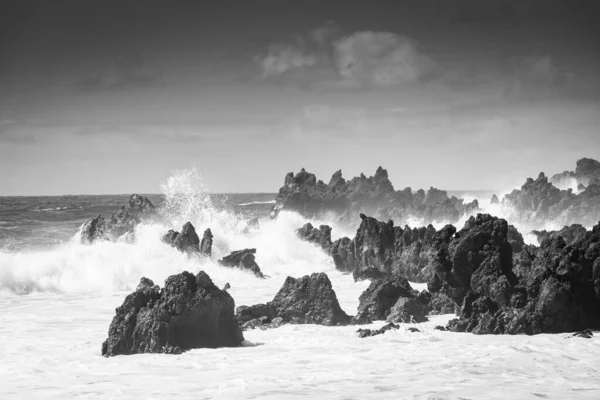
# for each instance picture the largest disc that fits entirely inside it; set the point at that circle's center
(41, 222)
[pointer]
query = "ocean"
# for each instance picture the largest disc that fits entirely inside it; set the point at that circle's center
(57, 299)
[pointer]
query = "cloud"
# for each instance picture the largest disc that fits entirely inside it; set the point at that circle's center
(327, 57)
(381, 59)
(536, 76)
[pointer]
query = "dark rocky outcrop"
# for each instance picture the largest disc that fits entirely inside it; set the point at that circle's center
(121, 222)
(392, 299)
(380, 249)
(189, 312)
(186, 241)
(206, 243)
(306, 300)
(242, 259)
(374, 195)
(320, 236)
(570, 234)
(309, 300)
(548, 289)
(515, 239)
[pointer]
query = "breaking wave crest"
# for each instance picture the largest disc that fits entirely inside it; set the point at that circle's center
(112, 267)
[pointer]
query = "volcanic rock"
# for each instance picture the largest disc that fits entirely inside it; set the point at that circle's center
(189, 312)
(309, 300)
(206, 244)
(121, 222)
(392, 299)
(242, 259)
(363, 333)
(374, 195)
(186, 241)
(320, 236)
(570, 234)
(551, 289)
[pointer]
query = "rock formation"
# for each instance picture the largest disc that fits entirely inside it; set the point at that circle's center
(374, 195)
(320, 236)
(539, 201)
(242, 259)
(121, 222)
(186, 241)
(570, 234)
(587, 171)
(553, 288)
(380, 249)
(189, 312)
(206, 243)
(306, 300)
(363, 333)
(392, 299)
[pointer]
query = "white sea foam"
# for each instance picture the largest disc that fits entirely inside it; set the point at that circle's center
(257, 202)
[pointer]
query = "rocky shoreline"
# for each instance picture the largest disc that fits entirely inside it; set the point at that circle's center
(483, 272)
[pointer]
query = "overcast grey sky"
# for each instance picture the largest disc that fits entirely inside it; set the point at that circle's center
(111, 96)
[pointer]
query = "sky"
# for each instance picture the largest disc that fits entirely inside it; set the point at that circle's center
(104, 97)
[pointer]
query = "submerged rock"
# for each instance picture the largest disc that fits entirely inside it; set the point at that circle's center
(189, 312)
(242, 259)
(363, 333)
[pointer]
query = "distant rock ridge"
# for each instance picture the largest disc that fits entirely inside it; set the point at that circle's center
(374, 195)
(121, 222)
(587, 171)
(539, 201)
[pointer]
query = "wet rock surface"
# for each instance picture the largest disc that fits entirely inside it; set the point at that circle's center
(363, 333)
(189, 312)
(392, 299)
(306, 300)
(243, 259)
(320, 236)
(186, 241)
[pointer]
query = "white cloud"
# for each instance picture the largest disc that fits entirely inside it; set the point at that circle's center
(381, 59)
(361, 58)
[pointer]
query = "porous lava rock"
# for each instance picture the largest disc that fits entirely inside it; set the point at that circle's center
(244, 260)
(189, 312)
